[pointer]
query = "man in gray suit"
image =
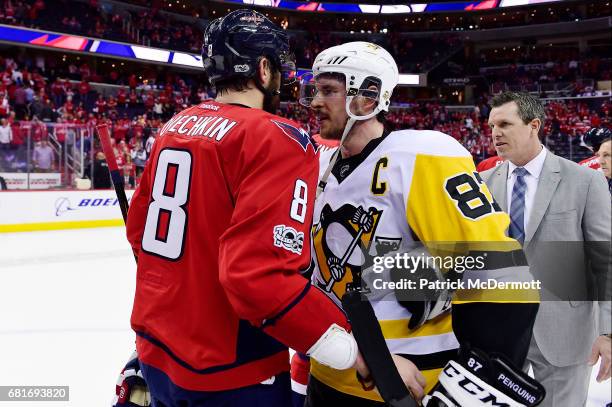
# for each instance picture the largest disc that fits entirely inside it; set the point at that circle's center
(551, 199)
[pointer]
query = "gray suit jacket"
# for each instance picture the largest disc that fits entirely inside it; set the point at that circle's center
(572, 204)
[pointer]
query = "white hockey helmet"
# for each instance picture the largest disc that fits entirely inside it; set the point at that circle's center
(363, 64)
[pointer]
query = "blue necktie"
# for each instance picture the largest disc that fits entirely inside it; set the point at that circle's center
(517, 206)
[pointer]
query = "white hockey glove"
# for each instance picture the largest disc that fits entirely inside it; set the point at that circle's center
(475, 379)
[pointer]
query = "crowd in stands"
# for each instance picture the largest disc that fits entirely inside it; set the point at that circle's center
(180, 27)
(543, 66)
(73, 17)
(567, 121)
(45, 97)
(547, 70)
(41, 97)
(410, 55)
(304, 21)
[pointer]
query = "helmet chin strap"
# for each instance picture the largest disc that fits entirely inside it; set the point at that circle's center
(269, 94)
(323, 181)
(266, 92)
(347, 128)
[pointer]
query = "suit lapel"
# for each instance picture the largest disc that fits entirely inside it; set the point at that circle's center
(498, 185)
(547, 184)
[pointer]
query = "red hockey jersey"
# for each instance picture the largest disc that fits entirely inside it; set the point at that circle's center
(325, 145)
(220, 222)
(591, 162)
(490, 162)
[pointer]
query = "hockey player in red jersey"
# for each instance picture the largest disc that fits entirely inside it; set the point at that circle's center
(490, 162)
(591, 162)
(324, 145)
(220, 223)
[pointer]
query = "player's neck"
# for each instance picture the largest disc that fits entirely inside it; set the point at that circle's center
(248, 97)
(361, 134)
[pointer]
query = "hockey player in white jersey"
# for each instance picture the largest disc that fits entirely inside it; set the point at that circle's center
(387, 192)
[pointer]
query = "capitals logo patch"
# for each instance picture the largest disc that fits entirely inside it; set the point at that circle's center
(288, 238)
(299, 135)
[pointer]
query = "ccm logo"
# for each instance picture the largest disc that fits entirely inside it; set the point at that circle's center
(472, 388)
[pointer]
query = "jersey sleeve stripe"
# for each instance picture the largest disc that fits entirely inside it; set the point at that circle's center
(271, 321)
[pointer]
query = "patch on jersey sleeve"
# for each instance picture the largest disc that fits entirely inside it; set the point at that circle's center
(288, 238)
(299, 135)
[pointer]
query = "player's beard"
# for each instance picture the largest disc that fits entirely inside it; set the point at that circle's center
(271, 101)
(332, 130)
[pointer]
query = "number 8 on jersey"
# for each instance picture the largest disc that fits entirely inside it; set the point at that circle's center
(166, 223)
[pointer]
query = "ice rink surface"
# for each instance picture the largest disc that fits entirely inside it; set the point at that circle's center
(65, 303)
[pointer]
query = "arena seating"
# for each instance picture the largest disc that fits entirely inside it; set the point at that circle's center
(55, 90)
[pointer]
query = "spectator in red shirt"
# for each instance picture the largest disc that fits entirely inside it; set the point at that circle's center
(112, 105)
(92, 121)
(138, 125)
(57, 92)
(179, 101)
(122, 98)
(132, 82)
(133, 98)
(84, 89)
(69, 107)
(39, 130)
(149, 101)
(61, 130)
(100, 106)
(163, 98)
(121, 128)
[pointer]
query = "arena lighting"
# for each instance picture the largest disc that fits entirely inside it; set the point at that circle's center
(386, 7)
(90, 46)
(409, 79)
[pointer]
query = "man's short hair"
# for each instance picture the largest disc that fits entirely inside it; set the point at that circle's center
(529, 107)
(238, 83)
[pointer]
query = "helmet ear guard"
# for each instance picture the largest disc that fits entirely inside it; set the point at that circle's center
(364, 91)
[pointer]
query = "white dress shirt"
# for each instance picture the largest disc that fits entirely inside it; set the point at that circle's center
(534, 169)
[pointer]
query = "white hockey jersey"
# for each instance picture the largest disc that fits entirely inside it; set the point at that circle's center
(404, 188)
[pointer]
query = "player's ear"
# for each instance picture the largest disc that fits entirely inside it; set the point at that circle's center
(369, 102)
(264, 71)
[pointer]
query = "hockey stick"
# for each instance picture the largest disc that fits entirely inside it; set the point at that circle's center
(141, 391)
(113, 169)
(373, 347)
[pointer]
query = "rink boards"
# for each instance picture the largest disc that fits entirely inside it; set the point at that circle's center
(25, 211)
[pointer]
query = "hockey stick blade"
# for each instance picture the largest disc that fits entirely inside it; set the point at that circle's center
(373, 347)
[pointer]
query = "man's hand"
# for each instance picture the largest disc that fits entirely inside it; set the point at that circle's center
(602, 347)
(361, 367)
(412, 377)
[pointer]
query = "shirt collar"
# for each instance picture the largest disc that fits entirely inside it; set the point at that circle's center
(533, 167)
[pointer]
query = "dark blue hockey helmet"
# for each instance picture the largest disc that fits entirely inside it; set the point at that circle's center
(234, 44)
(596, 136)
